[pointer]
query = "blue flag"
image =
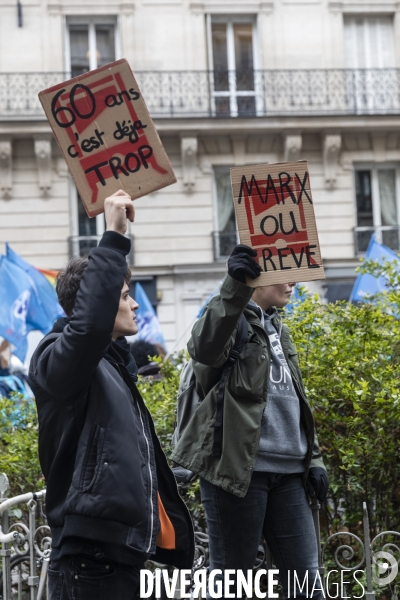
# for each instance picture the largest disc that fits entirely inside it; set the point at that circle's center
(366, 285)
(16, 292)
(44, 308)
(146, 318)
(293, 299)
(27, 302)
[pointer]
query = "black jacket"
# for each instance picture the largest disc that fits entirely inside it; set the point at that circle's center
(97, 446)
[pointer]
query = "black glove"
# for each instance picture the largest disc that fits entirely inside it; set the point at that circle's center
(317, 483)
(241, 263)
(183, 475)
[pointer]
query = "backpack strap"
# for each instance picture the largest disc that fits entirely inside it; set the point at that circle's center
(240, 341)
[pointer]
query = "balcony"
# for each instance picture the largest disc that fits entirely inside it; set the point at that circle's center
(389, 235)
(205, 94)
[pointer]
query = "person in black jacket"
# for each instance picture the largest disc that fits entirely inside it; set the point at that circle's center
(112, 501)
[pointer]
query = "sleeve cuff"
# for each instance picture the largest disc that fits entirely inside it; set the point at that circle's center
(115, 241)
(237, 288)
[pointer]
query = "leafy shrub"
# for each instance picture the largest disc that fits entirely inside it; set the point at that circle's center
(350, 359)
(18, 445)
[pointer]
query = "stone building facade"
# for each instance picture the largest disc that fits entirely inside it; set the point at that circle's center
(227, 83)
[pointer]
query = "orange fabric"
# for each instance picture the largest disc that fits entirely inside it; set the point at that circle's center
(166, 535)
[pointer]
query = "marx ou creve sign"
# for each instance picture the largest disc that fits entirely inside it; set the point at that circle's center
(275, 216)
(106, 135)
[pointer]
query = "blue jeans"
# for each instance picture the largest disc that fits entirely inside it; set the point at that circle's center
(78, 577)
(276, 506)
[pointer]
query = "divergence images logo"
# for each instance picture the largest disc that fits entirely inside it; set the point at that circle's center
(387, 565)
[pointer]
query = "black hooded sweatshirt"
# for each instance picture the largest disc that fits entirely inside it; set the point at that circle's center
(104, 466)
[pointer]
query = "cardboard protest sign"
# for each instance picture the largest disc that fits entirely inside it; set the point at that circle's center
(106, 135)
(275, 216)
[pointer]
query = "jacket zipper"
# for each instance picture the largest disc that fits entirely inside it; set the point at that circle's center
(151, 479)
(148, 464)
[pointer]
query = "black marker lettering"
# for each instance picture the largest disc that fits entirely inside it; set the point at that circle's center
(281, 257)
(302, 185)
(110, 99)
(294, 226)
(249, 188)
(127, 162)
(70, 151)
(121, 95)
(98, 172)
(298, 262)
(262, 225)
(309, 254)
(271, 186)
(87, 145)
(115, 164)
(267, 258)
(134, 94)
(99, 135)
(285, 185)
(145, 152)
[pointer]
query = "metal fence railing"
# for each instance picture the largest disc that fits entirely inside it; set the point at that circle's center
(25, 545)
(249, 93)
(25, 540)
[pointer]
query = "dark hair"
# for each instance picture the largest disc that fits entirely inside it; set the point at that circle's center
(141, 350)
(69, 280)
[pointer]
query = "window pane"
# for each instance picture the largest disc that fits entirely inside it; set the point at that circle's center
(86, 226)
(225, 209)
(79, 44)
(105, 44)
(369, 42)
(246, 106)
(219, 46)
(387, 196)
(364, 199)
(220, 56)
(222, 106)
(225, 239)
(243, 35)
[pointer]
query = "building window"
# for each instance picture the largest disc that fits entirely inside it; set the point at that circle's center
(90, 44)
(369, 42)
(377, 202)
(225, 234)
(232, 60)
(371, 82)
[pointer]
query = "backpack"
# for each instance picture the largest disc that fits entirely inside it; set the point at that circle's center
(188, 400)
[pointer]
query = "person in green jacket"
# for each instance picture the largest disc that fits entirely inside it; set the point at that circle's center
(257, 478)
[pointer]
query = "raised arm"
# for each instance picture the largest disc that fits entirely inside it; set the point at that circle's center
(65, 367)
(211, 337)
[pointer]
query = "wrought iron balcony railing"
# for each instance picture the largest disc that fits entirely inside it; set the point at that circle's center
(81, 245)
(389, 235)
(259, 93)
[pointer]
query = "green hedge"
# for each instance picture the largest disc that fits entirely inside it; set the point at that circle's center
(350, 359)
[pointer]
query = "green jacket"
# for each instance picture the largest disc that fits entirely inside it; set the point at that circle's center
(245, 393)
